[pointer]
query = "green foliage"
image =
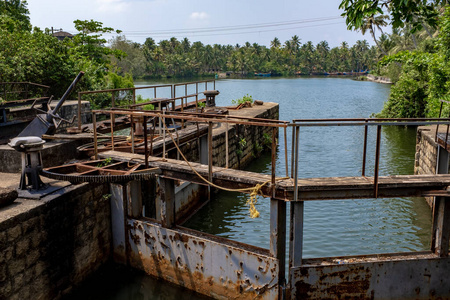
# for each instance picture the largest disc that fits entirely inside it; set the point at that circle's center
(201, 105)
(243, 100)
(106, 162)
(415, 13)
(140, 99)
(424, 79)
(14, 15)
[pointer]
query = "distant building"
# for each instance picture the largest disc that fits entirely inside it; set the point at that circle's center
(61, 35)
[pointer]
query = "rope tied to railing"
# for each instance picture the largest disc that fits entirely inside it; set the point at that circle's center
(254, 191)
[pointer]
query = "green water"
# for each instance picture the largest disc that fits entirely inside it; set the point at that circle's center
(331, 228)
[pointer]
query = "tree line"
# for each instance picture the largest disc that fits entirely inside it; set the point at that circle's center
(182, 58)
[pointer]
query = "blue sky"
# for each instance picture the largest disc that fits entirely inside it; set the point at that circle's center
(311, 20)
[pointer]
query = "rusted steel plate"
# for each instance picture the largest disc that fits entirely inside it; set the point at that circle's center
(409, 277)
(217, 269)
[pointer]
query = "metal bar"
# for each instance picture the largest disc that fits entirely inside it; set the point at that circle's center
(277, 220)
(278, 236)
(154, 92)
(112, 134)
(164, 136)
(145, 142)
(113, 103)
(363, 171)
(79, 111)
(94, 124)
(226, 145)
(437, 126)
(274, 154)
(377, 162)
(285, 152)
(296, 215)
(132, 133)
(441, 226)
(210, 158)
(167, 202)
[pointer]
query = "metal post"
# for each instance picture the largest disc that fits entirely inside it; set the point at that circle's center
(112, 132)
(166, 201)
(79, 111)
(377, 162)
(94, 125)
(296, 214)
(210, 158)
(363, 171)
(132, 133)
(226, 142)
(441, 210)
(164, 136)
(134, 96)
(113, 102)
(277, 222)
(145, 142)
(285, 152)
(441, 226)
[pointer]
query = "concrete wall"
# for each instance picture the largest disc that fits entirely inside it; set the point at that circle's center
(49, 246)
(426, 150)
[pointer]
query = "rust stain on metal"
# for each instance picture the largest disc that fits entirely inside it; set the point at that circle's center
(201, 268)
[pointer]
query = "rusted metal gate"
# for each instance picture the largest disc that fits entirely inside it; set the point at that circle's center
(210, 265)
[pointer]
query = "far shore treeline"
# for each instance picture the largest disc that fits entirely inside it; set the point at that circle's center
(414, 55)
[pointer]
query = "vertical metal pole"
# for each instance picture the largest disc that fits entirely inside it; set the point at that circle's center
(113, 101)
(210, 158)
(441, 213)
(293, 151)
(285, 152)
(226, 142)
(111, 115)
(214, 84)
(196, 94)
(441, 226)
(277, 222)
(167, 202)
(145, 142)
(297, 217)
(164, 135)
(363, 171)
(79, 111)
(377, 162)
(94, 124)
(154, 92)
(132, 133)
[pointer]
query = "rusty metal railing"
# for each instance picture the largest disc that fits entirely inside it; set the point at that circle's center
(155, 94)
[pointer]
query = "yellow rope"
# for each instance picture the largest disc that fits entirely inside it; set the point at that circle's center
(254, 191)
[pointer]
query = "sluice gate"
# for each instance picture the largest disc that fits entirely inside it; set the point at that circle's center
(148, 232)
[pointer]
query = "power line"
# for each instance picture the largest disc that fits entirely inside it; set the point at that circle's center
(221, 30)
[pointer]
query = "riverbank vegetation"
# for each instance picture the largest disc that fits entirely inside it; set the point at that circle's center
(181, 58)
(416, 56)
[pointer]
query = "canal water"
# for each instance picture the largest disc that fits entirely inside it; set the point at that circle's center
(331, 228)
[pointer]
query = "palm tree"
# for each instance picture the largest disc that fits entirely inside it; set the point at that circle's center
(371, 23)
(275, 43)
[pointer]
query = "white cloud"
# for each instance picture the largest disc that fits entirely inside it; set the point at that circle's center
(112, 6)
(199, 16)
